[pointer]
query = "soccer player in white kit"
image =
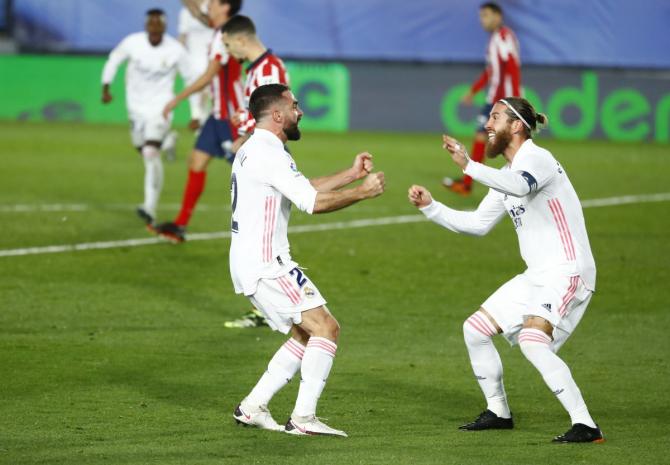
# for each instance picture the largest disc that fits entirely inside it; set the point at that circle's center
(265, 182)
(195, 33)
(541, 307)
(153, 60)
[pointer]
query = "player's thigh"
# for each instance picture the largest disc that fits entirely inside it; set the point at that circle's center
(198, 160)
(215, 138)
(284, 300)
(507, 306)
(156, 128)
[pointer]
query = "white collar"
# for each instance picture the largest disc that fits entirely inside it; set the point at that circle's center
(269, 137)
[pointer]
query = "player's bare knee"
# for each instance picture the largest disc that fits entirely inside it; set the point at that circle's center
(539, 323)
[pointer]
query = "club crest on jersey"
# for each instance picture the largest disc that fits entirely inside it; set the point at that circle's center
(515, 213)
(309, 292)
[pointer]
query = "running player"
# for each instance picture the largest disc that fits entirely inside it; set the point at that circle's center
(153, 60)
(540, 308)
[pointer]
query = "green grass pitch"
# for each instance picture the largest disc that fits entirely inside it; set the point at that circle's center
(119, 356)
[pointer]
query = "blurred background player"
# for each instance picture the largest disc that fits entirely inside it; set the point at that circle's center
(217, 134)
(153, 60)
(195, 33)
(239, 36)
(503, 75)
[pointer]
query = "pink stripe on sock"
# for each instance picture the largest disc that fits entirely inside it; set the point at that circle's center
(298, 349)
(483, 319)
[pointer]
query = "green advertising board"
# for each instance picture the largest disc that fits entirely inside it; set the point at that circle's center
(67, 88)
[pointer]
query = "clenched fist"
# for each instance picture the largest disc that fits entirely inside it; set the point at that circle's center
(373, 185)
(419, 196)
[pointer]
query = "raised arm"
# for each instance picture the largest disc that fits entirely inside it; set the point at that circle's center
(193, 7)
(361, 167)
(373, 186)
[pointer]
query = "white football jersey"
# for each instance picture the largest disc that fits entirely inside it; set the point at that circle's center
(547, 217)
(197, 38)
(150, 73)
(265, 181)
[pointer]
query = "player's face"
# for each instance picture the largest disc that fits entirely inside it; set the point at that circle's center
(218, 10)
(155, 27)
(292, 115)
(499, 131)
(235, 45)
(489, 19)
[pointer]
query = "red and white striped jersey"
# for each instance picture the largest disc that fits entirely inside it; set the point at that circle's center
(266, 69)
(535, 192)
(227, 93)
(503, 67)
(264, 183)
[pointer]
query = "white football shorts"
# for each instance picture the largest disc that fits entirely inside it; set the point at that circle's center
(561, 300)
(282, 300)
(143, 129)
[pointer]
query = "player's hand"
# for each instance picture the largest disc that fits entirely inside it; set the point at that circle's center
(236, 119)
(419, 196)
(362, 165)
(171, 105)
(373, 185)
(194, 124)
(106, 96)
(457, 151)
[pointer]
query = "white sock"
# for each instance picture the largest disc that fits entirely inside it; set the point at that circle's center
(486, 363)
(316, 364)
(281, 369)
(153, 178)
(535, 345)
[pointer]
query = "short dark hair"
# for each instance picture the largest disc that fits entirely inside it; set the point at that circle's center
(235, 6)
(264, 97)
(491, 6)
(239, 24)
(155, 12)
(535, 120)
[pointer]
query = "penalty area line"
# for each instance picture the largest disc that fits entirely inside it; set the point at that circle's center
(338, 225)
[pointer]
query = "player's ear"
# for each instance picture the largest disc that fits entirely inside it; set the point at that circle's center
(276, 115)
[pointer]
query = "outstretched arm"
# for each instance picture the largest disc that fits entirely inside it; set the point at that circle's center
(361, 167)
(195, 86)
(476, 223)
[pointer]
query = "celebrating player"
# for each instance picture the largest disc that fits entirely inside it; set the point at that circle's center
(153, 59)
(502, 73)
(541, 307)
(217, 135)
(265, 182)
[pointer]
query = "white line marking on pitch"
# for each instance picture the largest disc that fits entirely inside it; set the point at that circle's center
(82, 207)
(364, 223)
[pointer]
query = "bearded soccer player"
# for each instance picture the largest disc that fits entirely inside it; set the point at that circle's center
(217, 134)
(239, 36)
(265, 183)
(153, 60)
(503, 76)
(541, 307)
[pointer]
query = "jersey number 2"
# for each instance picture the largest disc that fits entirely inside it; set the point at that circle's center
(234, 227)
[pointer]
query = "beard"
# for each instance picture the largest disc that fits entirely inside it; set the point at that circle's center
(292, 132)
(499, 143)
